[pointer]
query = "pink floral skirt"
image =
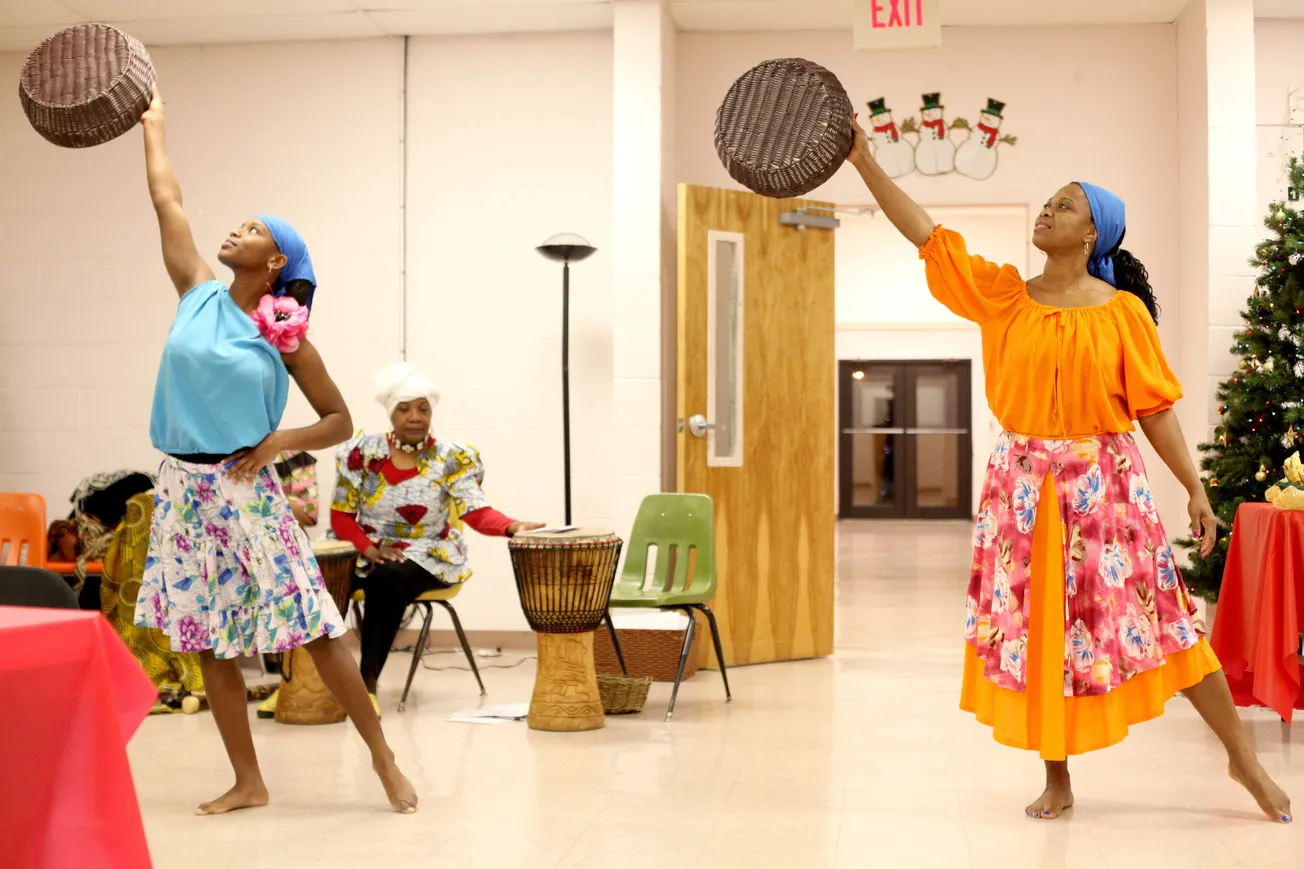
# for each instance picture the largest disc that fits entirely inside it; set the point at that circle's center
(1125, 606)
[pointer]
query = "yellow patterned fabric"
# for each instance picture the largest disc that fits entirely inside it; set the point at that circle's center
(123, 567)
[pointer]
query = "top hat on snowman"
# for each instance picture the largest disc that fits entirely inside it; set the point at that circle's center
(932, 101)
(994, 108)
(878, 107)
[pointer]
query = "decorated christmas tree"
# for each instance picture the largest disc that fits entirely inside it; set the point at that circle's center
(1261, 418)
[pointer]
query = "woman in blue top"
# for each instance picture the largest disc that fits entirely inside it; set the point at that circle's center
(230, 572)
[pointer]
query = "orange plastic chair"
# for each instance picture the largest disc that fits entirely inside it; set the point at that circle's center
(22, 529)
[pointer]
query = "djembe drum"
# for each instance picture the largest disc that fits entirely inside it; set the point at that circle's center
(304, 697)
(565, 585)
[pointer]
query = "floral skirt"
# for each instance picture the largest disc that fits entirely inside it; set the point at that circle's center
(1078, 623)
(229, 567)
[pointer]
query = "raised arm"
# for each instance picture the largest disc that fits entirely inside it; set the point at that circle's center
(185, 266)
(906, 215)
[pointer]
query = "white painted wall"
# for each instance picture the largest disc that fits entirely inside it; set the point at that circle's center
(1279, 70)
(84, 301)
(510, 142)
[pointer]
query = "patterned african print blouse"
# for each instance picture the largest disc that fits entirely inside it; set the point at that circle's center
(412, 515)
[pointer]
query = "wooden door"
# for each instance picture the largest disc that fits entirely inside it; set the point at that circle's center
(756, 362)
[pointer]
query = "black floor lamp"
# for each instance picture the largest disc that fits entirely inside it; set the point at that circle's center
(566, 249)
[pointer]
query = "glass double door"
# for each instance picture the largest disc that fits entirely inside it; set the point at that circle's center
(905, 448)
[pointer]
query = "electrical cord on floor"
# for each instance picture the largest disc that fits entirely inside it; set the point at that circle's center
(429, 652)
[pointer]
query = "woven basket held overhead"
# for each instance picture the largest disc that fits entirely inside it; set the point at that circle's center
(784, 128)
(86, 85)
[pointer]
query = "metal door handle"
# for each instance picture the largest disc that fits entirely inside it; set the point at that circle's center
(855, 431)
(698, 426)
(938, 431)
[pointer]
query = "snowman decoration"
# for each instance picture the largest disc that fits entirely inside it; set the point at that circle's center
(935, 153)
(976, 158)
(894, 154)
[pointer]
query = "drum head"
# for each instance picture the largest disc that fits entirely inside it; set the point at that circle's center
(333, 547)
(86, 85)
(568, 538)
(784, 128)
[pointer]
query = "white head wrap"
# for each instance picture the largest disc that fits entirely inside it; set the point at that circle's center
(401, 382)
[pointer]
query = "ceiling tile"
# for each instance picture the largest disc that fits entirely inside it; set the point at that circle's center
(275, 28)
(28, 13)
(507, 7)
(1279, 8)
(172, 10)
(767, 15)
(25, 39)
(477, 19)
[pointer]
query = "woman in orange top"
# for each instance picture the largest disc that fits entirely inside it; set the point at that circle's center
(1078, 623)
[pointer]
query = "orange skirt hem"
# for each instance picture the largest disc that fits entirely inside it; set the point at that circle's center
(1041, 718)
(1090, 723)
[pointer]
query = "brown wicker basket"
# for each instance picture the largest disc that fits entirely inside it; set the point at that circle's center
(654, 652)
(784, 128)
(623, 695)
(86, 85)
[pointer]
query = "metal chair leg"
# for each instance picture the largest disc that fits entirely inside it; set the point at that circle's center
(615, 644)
(719, 650)
(466, 646)
(417, 652)
(683, 660)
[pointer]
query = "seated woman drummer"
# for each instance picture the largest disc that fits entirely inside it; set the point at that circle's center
(394, 498)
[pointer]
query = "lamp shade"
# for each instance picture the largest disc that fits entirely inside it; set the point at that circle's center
(567, 247)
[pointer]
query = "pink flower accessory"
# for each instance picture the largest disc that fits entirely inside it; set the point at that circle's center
(282, 321)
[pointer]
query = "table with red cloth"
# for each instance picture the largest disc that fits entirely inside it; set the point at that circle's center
(1256, 628)
(71, 696)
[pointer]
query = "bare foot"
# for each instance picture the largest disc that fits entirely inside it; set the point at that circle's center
(1058, 795)
(1249, 774)
(402, 796)
(1052, 803)
(241, 796)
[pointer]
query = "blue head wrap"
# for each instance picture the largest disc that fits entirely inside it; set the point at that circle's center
(1110, 216)
(298, 265)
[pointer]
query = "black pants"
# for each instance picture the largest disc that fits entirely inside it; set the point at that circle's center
(390, 588)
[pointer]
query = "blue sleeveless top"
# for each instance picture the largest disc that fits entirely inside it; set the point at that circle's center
(221, 387)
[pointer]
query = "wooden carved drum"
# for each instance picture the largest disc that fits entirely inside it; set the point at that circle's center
(336, 558)
(304, 698)
(565, 585)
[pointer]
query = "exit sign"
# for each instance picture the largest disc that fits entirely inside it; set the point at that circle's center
(895, 25)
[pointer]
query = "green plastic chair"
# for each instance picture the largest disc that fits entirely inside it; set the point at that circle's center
(682, 530)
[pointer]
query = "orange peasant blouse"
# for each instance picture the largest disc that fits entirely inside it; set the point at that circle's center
(1057, 373)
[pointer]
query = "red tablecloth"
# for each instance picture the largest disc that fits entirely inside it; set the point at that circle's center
(1261, 609)
(71, 695)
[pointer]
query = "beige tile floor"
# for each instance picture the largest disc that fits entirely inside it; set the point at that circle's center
(862, 760)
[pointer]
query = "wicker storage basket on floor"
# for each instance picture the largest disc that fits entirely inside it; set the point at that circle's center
(654, 652)
(86, 85)
(784, 128)
(623, 695)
